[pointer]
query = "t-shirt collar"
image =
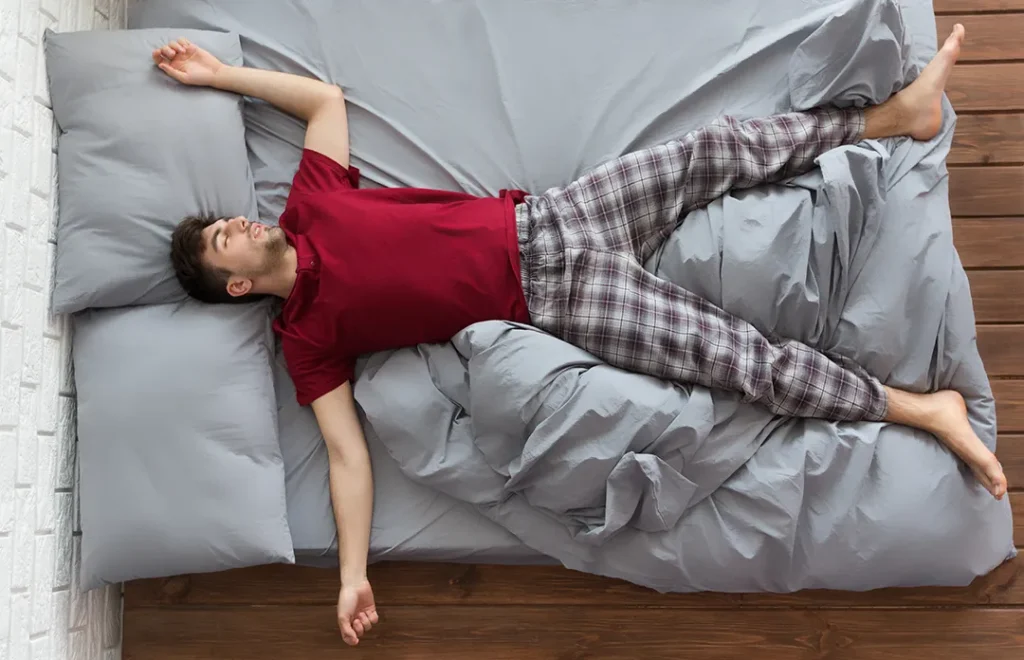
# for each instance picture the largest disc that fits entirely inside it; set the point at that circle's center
(306, 258)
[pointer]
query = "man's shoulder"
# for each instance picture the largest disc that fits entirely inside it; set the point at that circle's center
(305, 332)
(294, 209)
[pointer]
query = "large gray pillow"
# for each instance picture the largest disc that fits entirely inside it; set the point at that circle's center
(137, 151)
(179, 463)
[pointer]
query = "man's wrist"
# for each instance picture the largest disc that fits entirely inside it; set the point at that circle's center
(353, 578)
(222, 77)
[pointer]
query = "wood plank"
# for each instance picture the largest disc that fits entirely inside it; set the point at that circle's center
(609, 633)
(996, 295)
(984, 139)
(1010, 450)
(1009, 395)
(961, 6)
(1017, 505)
(986, 87)
(989, 242)
(986, 191)
(989, 36)
(422, 583)
(1002, 349)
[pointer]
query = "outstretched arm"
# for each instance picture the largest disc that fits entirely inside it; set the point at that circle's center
(352, 498)
(319, 104)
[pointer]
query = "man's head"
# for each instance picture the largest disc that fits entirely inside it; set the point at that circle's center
(226, 259)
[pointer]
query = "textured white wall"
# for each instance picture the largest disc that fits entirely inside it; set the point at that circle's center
(42, 614)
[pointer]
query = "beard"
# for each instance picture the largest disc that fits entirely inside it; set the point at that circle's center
(274, 248)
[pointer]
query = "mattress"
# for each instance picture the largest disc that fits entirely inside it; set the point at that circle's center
(410, 520)
(484, 95)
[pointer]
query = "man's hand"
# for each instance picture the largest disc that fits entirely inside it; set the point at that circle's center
(187, 63)
(321, 105)
(356, 611)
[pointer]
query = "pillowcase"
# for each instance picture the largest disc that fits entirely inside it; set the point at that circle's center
(137, 151)
(180, 467)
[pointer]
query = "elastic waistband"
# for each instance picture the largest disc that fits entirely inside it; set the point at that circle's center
(523, 223)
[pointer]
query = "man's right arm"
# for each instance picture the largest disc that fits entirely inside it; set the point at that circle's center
(351, 486)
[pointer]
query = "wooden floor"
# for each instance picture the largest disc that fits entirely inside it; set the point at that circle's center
(495, 612)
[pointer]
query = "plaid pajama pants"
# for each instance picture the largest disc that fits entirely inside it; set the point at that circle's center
(583, 248)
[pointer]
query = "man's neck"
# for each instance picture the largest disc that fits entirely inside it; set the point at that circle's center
(282, 280)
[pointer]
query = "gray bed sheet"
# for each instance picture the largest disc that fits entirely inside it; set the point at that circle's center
(675, 488)
(410, 520)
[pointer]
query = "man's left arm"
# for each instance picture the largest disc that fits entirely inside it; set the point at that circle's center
(321, 105)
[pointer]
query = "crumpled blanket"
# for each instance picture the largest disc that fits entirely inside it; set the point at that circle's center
(681, 488)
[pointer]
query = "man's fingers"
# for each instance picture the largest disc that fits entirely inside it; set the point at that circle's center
(357, 625)
(373, 616)
(168, 52)
(365, 620)
(172, 72)
(347, 633)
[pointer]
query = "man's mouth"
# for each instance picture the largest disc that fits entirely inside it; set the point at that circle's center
(257, 230)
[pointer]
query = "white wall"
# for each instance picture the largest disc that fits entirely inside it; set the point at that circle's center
(42, 614)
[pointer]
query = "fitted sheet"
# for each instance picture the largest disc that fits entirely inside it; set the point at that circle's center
(480, 96)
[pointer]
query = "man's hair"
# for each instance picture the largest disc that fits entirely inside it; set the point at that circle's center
(198, 278)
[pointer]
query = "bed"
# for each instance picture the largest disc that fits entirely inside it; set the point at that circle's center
(486, 449)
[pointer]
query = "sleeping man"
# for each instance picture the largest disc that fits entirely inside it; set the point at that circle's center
(360, 271)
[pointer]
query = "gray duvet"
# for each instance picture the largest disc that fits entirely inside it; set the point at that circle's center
(668, 486)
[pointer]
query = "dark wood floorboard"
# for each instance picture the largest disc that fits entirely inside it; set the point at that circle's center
(1009, 395)
(435, 584)
(988, 140)
(975, 6)
(1010, 450)
(992, 191)
(990, 242)
(603, 631)
(1002, 348)
(991, 36)
(996, 295)
(983, 87)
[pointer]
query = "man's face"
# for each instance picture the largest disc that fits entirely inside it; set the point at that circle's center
(247, 250)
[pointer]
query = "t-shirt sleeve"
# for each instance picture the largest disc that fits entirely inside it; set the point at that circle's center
(314, 372)
(318, 173)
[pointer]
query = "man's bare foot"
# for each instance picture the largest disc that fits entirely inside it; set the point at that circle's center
(944, 415)
(923, 98)
(917, 110)
(954, 430)
(949, 423)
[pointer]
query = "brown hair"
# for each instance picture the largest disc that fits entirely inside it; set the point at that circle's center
(199, 279)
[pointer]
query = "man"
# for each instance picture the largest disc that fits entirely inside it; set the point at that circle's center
(367, 270)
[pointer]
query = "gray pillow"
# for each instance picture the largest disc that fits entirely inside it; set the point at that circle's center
(137, 151)
(179, 463)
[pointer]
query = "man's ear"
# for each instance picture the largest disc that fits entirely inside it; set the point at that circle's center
(239, 286)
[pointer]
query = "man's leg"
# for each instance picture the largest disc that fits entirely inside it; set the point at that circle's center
(636, 321)
(631, 204)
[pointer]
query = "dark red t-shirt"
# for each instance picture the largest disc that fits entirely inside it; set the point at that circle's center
(388, 268)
